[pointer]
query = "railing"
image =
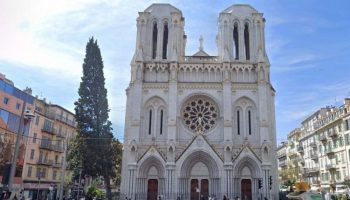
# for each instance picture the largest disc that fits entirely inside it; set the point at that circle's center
(314, 156)
(49, 129)
(313, 144)
(292, 153)
(312, 170)
(329, 151)
(47, 145)
(281, 155)
(57, 165)
(323, 138)
(282, 163)
(331, 166)
(332, 133)
(44, 162)
(65, 120)
(300, 149)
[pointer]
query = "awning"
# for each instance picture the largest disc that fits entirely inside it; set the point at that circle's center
(37, 185)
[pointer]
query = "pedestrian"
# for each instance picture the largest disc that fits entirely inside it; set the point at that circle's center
(225, 198)
(15, 197)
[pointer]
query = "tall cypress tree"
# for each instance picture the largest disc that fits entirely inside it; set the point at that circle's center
(94, 150)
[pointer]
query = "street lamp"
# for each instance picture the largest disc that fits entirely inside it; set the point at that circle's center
(80, 168)
(51, 193)
(39, 176)
(26, 116)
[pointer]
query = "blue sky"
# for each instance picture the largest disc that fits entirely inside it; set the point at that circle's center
(43, 46)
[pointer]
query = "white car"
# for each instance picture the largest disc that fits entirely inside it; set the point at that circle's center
(341, 189)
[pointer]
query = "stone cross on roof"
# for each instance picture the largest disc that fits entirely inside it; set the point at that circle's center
(201, 40)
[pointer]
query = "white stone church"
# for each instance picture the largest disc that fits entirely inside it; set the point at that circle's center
(200, 126)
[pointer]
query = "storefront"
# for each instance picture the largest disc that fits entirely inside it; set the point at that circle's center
(40, 191)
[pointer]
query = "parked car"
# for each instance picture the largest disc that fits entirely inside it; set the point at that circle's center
(284, 188)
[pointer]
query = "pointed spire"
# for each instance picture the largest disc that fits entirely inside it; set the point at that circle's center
(201, 40)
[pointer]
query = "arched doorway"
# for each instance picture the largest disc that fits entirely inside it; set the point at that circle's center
(199, 177)
(150, 183)
(152, 189)
(246, 189)
(199, 182)
(247, 174)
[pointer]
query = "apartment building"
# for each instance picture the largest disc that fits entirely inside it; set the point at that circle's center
(323, 151)
(52, 128)
(282, 161)
(13, 103)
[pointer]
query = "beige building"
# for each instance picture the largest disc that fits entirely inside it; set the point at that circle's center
(323, 153)
(50, 130)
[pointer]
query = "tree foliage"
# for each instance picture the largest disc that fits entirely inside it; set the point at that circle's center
(93, 147)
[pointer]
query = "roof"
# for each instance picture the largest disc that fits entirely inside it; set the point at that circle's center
(240, 8)
(165, 7)
(201, 53)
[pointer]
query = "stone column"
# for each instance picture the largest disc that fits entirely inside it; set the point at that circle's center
(227, 103)
(131, 182)
(172, 102)
(170, 168)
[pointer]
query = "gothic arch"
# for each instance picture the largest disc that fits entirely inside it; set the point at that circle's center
(194, 158)
(150, 162)
(151, 117)
(250, 163)
(248, 117)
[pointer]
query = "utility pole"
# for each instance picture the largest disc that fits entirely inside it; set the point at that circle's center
(63, 168)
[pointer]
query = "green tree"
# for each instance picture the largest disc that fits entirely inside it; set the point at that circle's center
(93, 148)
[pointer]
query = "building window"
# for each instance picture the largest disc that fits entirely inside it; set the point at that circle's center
(235, 41)
(165, 40)
(246, 41)
(161, 122)
(29, 174)
(249, 122)
(347, 125)
(38, 173)
(18, 106)
(37, 120)
(6, 100)
(238, 123)
(43, 173)
(34, 137)
(54, 175)
(32, 151)
(150, 123)
(154, 41)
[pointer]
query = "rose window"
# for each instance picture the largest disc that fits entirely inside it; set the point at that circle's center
(200, 114)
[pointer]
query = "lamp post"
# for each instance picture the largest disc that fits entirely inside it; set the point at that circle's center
(51, 193)
(26, 116)
(39, 176)
(80, 168)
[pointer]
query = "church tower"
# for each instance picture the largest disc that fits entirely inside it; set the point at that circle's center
(201, 125)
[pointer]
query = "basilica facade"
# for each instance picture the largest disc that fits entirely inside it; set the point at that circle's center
(200, 126)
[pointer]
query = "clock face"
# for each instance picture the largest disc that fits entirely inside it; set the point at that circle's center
(200, 114)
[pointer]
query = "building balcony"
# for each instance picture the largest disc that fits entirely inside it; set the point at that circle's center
(45, 162)
(282, 163)
(49, 130)
(65, 120)
(51, 147)
(332, 134)
(56, 165)
(331, 166)
(300, 149)
(312, 170)
(329, 151)
(279, 156)
(314, 156)
(323, 138)
(292, 153)
(313, 145)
